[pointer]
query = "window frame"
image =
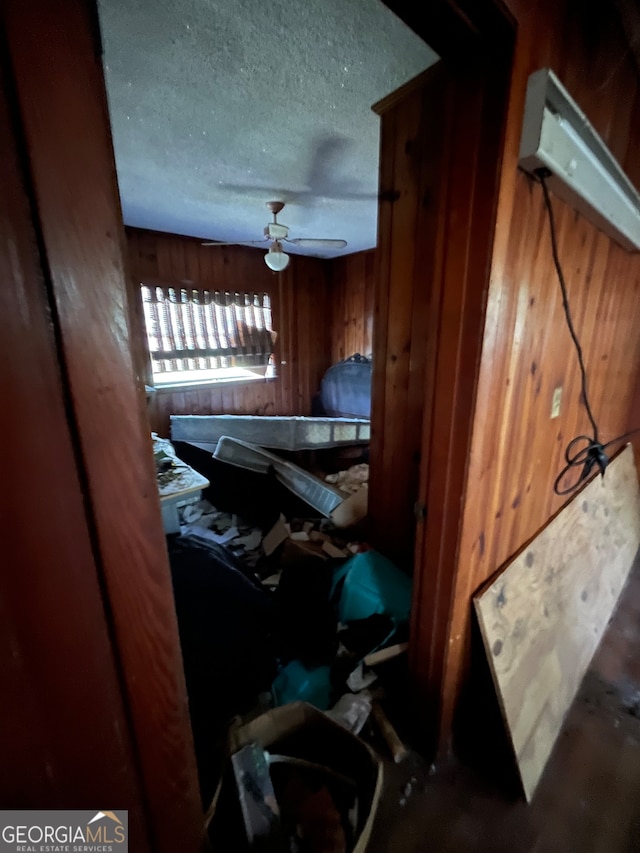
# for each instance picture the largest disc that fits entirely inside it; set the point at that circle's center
(197, 384)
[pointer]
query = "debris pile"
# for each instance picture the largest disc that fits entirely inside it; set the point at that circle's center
(337, 602)
(278, 609)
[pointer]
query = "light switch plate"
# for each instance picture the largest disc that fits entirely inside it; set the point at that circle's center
(555, 403)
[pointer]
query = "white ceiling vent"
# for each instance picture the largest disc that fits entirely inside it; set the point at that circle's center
(556, 135)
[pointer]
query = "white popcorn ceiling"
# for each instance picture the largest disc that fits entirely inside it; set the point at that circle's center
(218, 107)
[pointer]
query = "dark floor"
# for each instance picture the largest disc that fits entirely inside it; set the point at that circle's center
(588, 800)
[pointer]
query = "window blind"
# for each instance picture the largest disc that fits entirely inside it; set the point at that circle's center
(197, 329)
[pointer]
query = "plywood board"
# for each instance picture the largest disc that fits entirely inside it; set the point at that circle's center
(542, 618)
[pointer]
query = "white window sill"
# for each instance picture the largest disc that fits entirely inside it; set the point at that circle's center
(209, 383)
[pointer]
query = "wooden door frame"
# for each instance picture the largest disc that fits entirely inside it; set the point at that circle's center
(475, 39)
(56, 62)
(60, 673)
(56, 59)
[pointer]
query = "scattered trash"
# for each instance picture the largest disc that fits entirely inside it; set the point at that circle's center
(299, 536)
(295, 553)
(330, 549)
(331, 616)
(330, 636)
(385, 654)
(204, 533)
(352, 710)
(192, 513)
(260, 809)
(276, 536)
(352, 479)
(296, 682)
(251, 541)
(373, 584)
(335, 612)
(361, 678)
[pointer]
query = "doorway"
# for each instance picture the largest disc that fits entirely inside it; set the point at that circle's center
(60, 91)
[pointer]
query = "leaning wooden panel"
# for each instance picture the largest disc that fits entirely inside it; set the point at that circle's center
(542, 618)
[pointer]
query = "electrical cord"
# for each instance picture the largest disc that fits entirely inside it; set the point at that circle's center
(593, 452)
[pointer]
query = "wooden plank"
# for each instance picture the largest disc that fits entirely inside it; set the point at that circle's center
(543, 616)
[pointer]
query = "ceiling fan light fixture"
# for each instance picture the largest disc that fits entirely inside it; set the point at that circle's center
(276, 259)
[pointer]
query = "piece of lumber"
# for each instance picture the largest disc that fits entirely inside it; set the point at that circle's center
(542, 617)
(385, 654)
(396, 747)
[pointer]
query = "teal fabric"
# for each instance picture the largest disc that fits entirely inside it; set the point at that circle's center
(296, 682)
(366, 584)
(372, 584)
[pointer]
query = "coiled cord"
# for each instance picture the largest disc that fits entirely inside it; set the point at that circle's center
(593, 452)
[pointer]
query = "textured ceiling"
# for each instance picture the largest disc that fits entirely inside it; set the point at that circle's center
(218, 107)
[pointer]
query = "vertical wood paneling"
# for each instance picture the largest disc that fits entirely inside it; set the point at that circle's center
(411, 151)
(352, 295)
(462, 228)
(517, 450)
(300, 317)
(462, 202)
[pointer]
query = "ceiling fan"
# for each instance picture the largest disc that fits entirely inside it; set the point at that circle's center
(276, 234)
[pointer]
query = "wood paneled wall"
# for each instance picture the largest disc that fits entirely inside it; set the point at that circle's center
(413, 129)
(352, 297)
(301, 317)
(517, 449)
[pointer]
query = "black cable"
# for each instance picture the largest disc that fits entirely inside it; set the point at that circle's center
(592, 454)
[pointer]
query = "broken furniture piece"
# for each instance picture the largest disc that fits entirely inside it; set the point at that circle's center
(543, 615)
(275, 432)
(178, 483)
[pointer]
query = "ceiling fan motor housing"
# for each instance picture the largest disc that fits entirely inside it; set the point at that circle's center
(275, 231)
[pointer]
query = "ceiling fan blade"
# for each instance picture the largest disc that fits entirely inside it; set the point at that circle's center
(317, 243)
(236, 243)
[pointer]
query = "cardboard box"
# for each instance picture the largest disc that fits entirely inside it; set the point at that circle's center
(300, 730)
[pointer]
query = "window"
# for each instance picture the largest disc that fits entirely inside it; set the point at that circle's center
(198, 335)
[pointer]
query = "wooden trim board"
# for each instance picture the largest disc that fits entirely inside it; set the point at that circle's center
(543, 617)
